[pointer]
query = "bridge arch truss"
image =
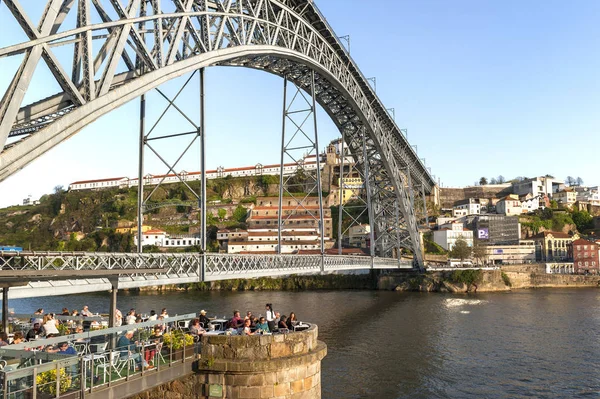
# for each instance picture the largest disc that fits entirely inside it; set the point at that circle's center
(159, 40)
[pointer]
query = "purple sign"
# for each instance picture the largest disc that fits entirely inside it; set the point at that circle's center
(483, 234)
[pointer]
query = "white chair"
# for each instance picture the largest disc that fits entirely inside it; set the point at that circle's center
(81, 348)
(113, 360)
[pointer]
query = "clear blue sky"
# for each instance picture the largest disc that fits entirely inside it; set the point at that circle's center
(483, 87)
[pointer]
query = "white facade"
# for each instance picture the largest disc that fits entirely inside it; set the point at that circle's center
(529, 205)
(161, 239)
(509, 206)
(446, 237)
(359, 235)
(309, 162)
(565, 197)
(152, 237)
(511, 254)
(543, 185)
(590, 194)
(469, 207)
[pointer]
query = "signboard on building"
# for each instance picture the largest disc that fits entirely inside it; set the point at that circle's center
(483, 234)
(498, 251)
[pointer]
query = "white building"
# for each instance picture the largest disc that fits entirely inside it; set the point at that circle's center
(152, 237)
(511, 254)
(509, 206)
(547, 185)
(466, 207)
(448, 234)
(590, 195)
(359, 236)
(530, 203)
(161, 239)
(566, 197)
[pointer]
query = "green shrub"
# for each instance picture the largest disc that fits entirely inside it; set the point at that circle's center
(506, 280)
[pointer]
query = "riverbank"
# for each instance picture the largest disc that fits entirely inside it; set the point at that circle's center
(367, 281)
(506, 279)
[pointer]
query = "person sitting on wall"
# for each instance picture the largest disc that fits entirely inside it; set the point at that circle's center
(85, 312)
(236, 321)
(247, 330)
(204, 321)
(262, 325)
(283, 323)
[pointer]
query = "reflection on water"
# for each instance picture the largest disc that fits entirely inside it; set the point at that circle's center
(535, 343)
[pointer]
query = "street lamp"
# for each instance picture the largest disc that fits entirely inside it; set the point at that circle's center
(347, 39)
(374, 80)
(393, 112)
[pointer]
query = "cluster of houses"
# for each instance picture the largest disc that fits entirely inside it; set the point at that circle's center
(494, 224)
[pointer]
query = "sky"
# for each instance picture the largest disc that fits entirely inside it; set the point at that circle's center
(485, 88)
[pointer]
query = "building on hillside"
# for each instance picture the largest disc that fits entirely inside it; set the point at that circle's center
(530, 204)
(161, 239)
(265, 241)
(358, 236)
(524, 252)
(496, 229)
(448, 234)
(589, 195)
(554, 246)
(306, 215)
(560, 268)
(585, 257)
(566, 197)
(467, 207)
(547, 185)
(132, 230)
(509, 206)
(30, 201)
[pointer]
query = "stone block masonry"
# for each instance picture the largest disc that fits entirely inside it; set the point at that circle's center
(261, 366)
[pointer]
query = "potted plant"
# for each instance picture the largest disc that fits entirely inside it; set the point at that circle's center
(46, 382)
(175, 341)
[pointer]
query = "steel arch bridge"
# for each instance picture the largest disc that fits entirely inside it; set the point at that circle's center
(159, 40)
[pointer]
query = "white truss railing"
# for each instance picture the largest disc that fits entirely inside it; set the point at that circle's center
(181, 268)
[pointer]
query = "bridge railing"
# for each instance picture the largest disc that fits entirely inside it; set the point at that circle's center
(217, 265)
(29, 372)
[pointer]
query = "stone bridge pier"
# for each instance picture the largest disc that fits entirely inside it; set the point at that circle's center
(260, 366)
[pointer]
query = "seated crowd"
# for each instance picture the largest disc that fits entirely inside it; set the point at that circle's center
(48, 326)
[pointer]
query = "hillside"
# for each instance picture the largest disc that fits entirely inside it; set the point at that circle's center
(86, 220)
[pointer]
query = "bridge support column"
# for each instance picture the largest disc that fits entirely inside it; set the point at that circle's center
(202, 201)
(367, 185)
(303, 141)
(5, 309)
(112, 311)
(140, 197)
(425, 205)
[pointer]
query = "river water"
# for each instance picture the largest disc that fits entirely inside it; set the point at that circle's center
(522, 344)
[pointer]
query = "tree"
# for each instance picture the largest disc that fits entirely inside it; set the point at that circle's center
(500, 179)
(222, 213)
(493, 181)
(483, 181)
(479, 251)
(579, 181)
(240, 214)
(553, 204)
(461, 250)
(583, 220)
(570, 181)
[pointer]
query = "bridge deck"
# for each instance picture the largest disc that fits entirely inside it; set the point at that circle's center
(144, 270)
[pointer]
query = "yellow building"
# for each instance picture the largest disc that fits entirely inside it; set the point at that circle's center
(125, 230)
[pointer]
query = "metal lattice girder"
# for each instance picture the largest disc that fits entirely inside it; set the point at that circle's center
(170, 38)
(179, 268)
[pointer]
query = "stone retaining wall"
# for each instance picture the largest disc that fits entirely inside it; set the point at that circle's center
(262, 366)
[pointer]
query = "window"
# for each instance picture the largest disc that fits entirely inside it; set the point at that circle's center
(586, 262)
